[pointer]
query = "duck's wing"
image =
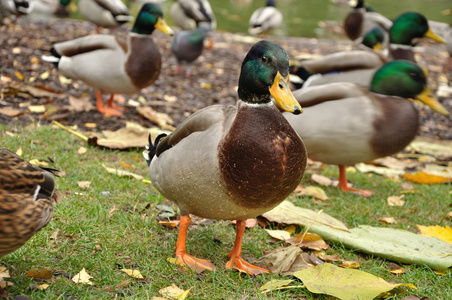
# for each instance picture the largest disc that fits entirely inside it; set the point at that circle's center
(199, 121)
(90, 43)
(116, 7)
(198, 10)
(314, 95)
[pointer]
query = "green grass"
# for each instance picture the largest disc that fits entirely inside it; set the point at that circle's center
(131, 238)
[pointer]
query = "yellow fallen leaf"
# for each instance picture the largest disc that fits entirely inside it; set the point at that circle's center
(125, 165)
(396, 200)
(90, 125)
(19, 75)
(133, 273)
(64, 80)
(9, 111)
(43, 286)
(396, 269)
(38, 162)
(322, 180)
(16, 50)
(37, 108)
(387, 220)
(312, 191)
(82, 277)
(310, 240)
(172, 223)
(422, 177)
(275, 284)
(350, 264)
(281, 235)
(174, 292)
(442, 233)
(112, 211)
(19, 151)
(84, 184)
(44, 75)
(205, 85)
(122, 173)
(82, 150)
(4, 273)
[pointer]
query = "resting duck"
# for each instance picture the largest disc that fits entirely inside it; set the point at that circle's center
(233, 162)
(344, 123)
(16, 7)
(105, 13)
(405, 29)
(52, 7)
(187, 46)
(360, 21)
(373, 39)
(26, 200)
(265, 19)
(111, 65)
(189, 14)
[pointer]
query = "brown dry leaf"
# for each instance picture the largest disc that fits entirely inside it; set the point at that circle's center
(4, 273)
(396, 269)
(40, 273)
(10, 111)
(311, 191)
(161, 119)
(448, 216)
(82, 277)
(387, 220)
(281, 235)
(311, 241)
(329, 258)
(80, 104)
(112, 211)
(442, 233)
(422, 177)
(84, 184)
(172, 223)
(174, 292)
(396, 200)
(322, 180)
(133, 273)
(349, 264)
(82, 150)
(282, 260)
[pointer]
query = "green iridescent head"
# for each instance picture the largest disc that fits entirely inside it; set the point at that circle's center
(149, 18)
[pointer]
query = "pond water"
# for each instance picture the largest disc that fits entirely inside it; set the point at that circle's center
(301, 17)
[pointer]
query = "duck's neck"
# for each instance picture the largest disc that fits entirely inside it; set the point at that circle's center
(400, 51)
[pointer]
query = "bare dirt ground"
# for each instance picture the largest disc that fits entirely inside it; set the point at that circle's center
(213, 81)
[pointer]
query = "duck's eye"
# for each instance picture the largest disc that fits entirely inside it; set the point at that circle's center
(264, 59)
(413, 75)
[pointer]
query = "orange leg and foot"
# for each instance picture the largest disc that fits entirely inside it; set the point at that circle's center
(185, 260)
(111, 103)
(236, 260)
(343, 184)
(105, 110)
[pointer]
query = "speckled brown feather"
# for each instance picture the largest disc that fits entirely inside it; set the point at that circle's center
(26, 200)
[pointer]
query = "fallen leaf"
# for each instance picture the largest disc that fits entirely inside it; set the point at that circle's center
(322, 180)
(174, 292)
(281, 235)
(19, 151)
(38, 163)
(43, 286)
(64, 80)
(44, 75)
(332, 258)
(90, 125)
(396, 200)
(442, 233)
(448, 216)
(172, 223)
(84, 184)
(9, 111)
(82, 277)
(285, 260)
(4, 273)
(311, 241)
(122, 173)
(37, 108)
(54, 235)
(366, 168)
(422, 177)
(387, 220)
(311, 191)
(133, 273)
(19, 75)
(82, 150)
(80, 104)
(275, 284)
(345, 284)
(125, 165)
(437, 148)
(396, 269)
(112, 211)
(40, 273)
(349, 264)
(161, 119)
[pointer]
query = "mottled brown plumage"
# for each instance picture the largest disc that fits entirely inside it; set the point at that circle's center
(26, 200)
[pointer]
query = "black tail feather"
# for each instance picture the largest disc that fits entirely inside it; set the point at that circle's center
(151, 150)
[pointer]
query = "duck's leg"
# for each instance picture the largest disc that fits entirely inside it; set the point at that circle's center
(236, 261)
(185, 260)
(343, 184)
(111, 103)
(105, 110)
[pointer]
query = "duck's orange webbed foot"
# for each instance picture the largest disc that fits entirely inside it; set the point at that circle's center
(196, 264)
(343, 184)
(111, 104)
(105, 109)
(239, 264)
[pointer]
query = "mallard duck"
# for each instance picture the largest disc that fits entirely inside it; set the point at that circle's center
(233, 162)
(51, 7)
(360, 21)
(405, 29)
(187, 46)
(26, 200)
(105, 13)
(344, 123)
(373, 39)
(111, 65)
(189, 14)
(265, 19)
(16, 7)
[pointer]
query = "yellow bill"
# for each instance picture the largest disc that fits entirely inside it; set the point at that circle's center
(163, 27)
(433, 36)
(378, 47)
(283, 96)
(427, 98)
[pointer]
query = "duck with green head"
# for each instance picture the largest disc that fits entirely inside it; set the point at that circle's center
(233, 162)
(345, 123)
(112, 65)
(105, 13)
